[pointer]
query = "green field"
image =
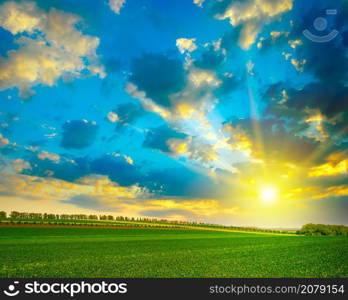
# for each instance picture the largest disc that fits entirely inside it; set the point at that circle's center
(106, 252)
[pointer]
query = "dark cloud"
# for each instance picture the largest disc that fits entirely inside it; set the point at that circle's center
(327, 61)
(69, 168)
(65, 169)
(273, 140)
(174, 181)
(210, 59)
(90, 202)
(78, 134)
(229, 84)
(329, 99)
(117, 168)
(158, 76)
(177, 181)
(180, 182)
(342, 17)
(128, 113)
(345, 38)
(157, 138)
(230, 38)
(306, 11)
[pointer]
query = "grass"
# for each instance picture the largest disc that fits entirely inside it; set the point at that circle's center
(106, 252)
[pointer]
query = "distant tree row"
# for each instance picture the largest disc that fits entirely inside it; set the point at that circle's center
(321, 229)
(46, 216)
(308, 229)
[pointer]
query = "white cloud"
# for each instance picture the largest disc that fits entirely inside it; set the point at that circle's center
(112, 117)
(205, 145)
(47, 155)
(295, 43)
(252, 15)
(128, 159)
(274, 37)
(3, 141)
(49, 47)
(105, 196)
(203, 78)
(20, 18)
(199, 2)
(18, 165)
(148, 103)
(116, 5)
(186, 45)
(194, 149)
(54, 190)
(298, 64)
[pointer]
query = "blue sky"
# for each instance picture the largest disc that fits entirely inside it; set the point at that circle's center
(215, 111)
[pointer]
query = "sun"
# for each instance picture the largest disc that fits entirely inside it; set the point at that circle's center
(268, 195)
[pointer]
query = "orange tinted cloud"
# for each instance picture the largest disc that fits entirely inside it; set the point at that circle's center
(329, 169)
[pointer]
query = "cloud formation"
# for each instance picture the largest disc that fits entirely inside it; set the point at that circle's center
(112, 117)
(47, 155)
(251, 16)
(18, 165)
(3, 141)
(49, 46)
(119, 168)
(157, 138)
(127, 113)
(215, 117)
(51, 189)
(199, 2)
(78, 134)
(168, 73)
(116, 5)
(186, 45)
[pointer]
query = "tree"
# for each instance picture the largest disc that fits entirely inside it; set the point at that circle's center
(321, 229)
(14, 214)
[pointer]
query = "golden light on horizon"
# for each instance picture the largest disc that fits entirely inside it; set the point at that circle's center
(268, 195)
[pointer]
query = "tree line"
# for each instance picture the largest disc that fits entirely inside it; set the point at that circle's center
(308, 229)
(15, 215)
(49, 216)
(321, 229)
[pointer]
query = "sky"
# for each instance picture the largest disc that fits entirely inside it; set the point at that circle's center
(222, 111)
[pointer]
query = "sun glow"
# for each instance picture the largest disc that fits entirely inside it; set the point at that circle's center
(268, 195)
